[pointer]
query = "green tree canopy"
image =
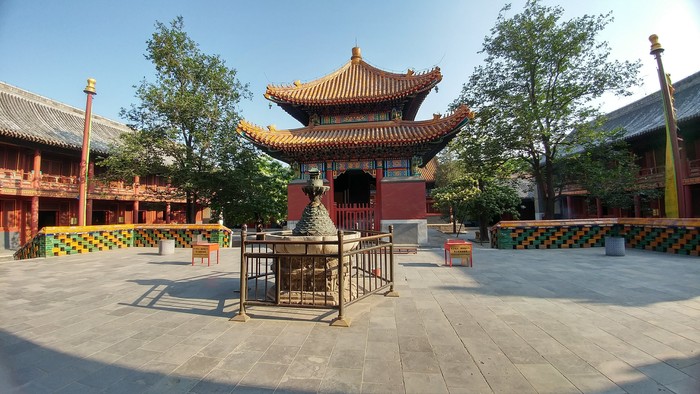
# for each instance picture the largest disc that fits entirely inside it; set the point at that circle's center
(250, 187)
(607, 171)
(185, 126)
(539, 81)
(185, 120)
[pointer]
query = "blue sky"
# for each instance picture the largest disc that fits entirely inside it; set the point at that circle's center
(52, 47)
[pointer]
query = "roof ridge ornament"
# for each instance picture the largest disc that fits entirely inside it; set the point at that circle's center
(356, 55)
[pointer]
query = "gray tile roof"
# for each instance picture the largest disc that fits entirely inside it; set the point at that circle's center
(30, 117)
(647, 115)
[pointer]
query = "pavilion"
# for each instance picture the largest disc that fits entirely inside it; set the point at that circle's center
(359, 130)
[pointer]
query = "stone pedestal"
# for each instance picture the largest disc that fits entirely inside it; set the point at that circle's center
(311, 277)
(308, 281)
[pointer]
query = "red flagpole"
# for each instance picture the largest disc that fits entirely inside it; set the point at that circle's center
(82, 196)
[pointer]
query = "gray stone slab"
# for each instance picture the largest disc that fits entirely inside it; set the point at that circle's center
(341, 380)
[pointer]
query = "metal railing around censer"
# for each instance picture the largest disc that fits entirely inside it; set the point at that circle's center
(306, 272)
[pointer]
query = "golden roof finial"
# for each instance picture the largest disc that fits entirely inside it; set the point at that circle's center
(90, 88)
(356, 55)
(655, 45)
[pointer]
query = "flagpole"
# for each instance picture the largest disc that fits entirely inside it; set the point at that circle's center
(671, 137)
(82, 179)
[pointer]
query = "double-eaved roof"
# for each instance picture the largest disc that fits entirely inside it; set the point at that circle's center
(647, 115)
(29, 117)
(357, 112)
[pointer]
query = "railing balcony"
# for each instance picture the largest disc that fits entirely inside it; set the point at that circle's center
(653, 175)
(16, 179)
(693, 168)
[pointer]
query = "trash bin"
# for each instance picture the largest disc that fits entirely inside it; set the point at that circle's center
(166, 246)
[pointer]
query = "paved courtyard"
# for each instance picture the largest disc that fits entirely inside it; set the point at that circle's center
(547, 321)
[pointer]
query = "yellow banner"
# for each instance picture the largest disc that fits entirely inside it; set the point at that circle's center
(671, 192)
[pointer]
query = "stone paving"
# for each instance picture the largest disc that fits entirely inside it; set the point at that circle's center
(547, 321)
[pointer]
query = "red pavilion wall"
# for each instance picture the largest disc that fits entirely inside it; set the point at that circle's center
(402, 200)
(297, 200)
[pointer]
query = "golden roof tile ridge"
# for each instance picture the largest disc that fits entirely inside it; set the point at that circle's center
(355, 81)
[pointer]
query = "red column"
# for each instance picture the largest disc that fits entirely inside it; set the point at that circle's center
(36, 183)
(569, 207)
(136, 200)
(331, 191)
(91, 189)
(37, 169)
(167, 212)
(35, 215)
(378, 197)
(598, 208)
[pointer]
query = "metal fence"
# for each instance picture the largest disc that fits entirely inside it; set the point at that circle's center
(350, 216)
(333, 272)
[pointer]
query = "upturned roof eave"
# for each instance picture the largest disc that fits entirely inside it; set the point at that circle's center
(435, 134)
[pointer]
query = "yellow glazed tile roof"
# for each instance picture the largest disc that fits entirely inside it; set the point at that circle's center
(386, 133)
(356, 82)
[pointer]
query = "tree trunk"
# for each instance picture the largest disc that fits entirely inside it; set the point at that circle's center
(453, 219)
(190, 207)
(549, 190)
(483, 219)
(483, 229)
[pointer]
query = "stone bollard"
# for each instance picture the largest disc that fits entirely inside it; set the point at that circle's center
(166, 246)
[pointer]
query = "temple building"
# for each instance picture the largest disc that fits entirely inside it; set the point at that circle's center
(644, 129)
(40, 151)
(359, 131)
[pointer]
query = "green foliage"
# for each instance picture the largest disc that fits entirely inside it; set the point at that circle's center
(495, 198)
(607, 171)
(454, 189)
(540, 78)
(474, 194)
(251, 187)
(185, 120)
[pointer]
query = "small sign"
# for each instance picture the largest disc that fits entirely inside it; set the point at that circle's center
(457, 250)
(201, 251)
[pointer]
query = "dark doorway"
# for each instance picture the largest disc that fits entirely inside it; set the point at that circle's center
(99, 217)
(527, 209)
(354, 187)
(48, 218)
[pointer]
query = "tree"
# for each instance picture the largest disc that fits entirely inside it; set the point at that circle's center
(251, 187)
(607, 171)
(480, 154)
(185, 120)
(483, 199)
(541, 77)
(454, 188)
